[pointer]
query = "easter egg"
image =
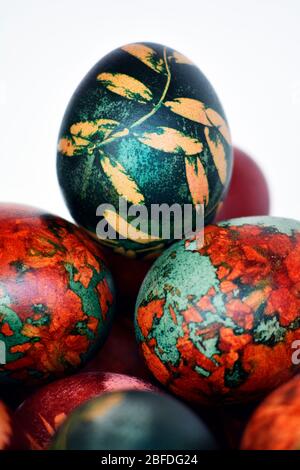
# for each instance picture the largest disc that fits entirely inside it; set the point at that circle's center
(120, 353)
(43, 412)
(133, 420)
(218, 313)
(248, 192)
(9, 435)
(57, 297)
(128, 274)
(144, 127)
(275, 425)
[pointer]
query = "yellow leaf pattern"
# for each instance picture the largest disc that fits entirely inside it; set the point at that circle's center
(218, 152)
(95, 410)
(147, 55)
(121, 226)
(125, 86)
(181, 59)
(81, 132)
(66, 146)
(197, 181)
(190, 109)
(88, 128)
(123, 183)
(219, 122)
(80, 142)
(171, 141)
(50, 430)
(196, 111)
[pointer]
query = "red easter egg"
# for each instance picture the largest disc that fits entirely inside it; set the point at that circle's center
(248, 192)
(10, 435)
(275, 425)
(120, 353)
(42, 413)
(128, 274)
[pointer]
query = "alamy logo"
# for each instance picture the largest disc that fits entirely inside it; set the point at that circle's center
(142, 224)
(296, 353)
(2, 352)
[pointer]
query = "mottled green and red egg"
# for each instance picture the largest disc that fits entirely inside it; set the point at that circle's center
(144, 125)
(218, 314)
(56, 295)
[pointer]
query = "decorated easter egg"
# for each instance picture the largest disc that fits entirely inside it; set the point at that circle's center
(275, 425)
(248, 192)
(42, 413)
(146, 128)
(218, 313)
(9, 438)
(120, 353)
(56, 294)
(133, 420)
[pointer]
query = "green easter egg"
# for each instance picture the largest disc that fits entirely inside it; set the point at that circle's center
(146, 126)
(133, 420)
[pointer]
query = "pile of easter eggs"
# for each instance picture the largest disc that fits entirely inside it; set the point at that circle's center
(117, 336)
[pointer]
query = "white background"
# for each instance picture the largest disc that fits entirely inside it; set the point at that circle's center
(249, 50)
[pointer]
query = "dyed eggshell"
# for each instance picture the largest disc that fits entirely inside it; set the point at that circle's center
(128, 274)
(216, 321)
(120, 352)
(144, 125)
(43, 412)
(133, 420)
(9, 437)
(248, 193)
(275, 425)
(56, 293)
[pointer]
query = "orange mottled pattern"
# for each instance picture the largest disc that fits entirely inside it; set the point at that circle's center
(243, 349)
(5, 427)
(55, 295)
(275, 425)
